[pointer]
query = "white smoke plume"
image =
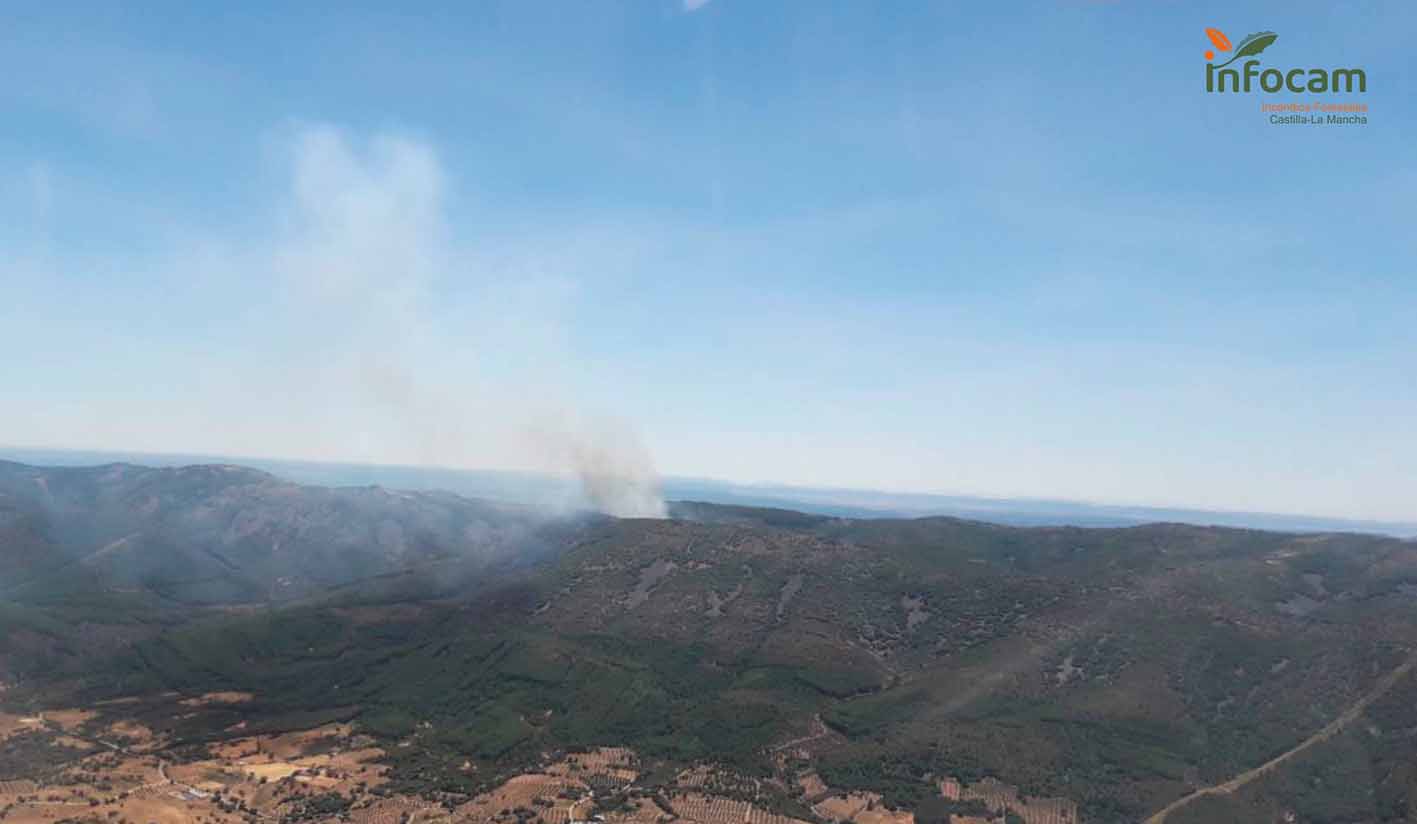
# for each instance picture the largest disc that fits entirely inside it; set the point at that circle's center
(615, 470)
(476, 382)
(619, 483)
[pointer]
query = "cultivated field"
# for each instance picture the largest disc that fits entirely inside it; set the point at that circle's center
(115, 763)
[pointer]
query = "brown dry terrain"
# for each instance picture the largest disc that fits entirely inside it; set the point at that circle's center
(217, 698)
(1000, 797)
(12, 724)
(104, 767)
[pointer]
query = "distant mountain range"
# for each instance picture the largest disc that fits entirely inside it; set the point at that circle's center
(532, 488)
(225, 534)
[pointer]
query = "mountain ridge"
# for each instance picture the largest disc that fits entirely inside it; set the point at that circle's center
(533, 488)
(1118, 668)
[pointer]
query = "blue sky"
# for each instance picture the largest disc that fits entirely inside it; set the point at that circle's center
(1001, 249)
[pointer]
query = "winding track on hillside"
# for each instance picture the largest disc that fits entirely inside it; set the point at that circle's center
(818, 730)
(1329, 730)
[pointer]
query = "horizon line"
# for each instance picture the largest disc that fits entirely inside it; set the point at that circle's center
(1134, 511)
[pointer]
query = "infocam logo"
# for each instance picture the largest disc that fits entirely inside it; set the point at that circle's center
(1220, 79)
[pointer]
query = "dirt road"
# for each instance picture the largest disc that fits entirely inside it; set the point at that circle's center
(818, 730)
(1329, 730)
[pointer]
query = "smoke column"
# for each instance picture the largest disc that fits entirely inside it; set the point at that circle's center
(366, 259)
(615, 472)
